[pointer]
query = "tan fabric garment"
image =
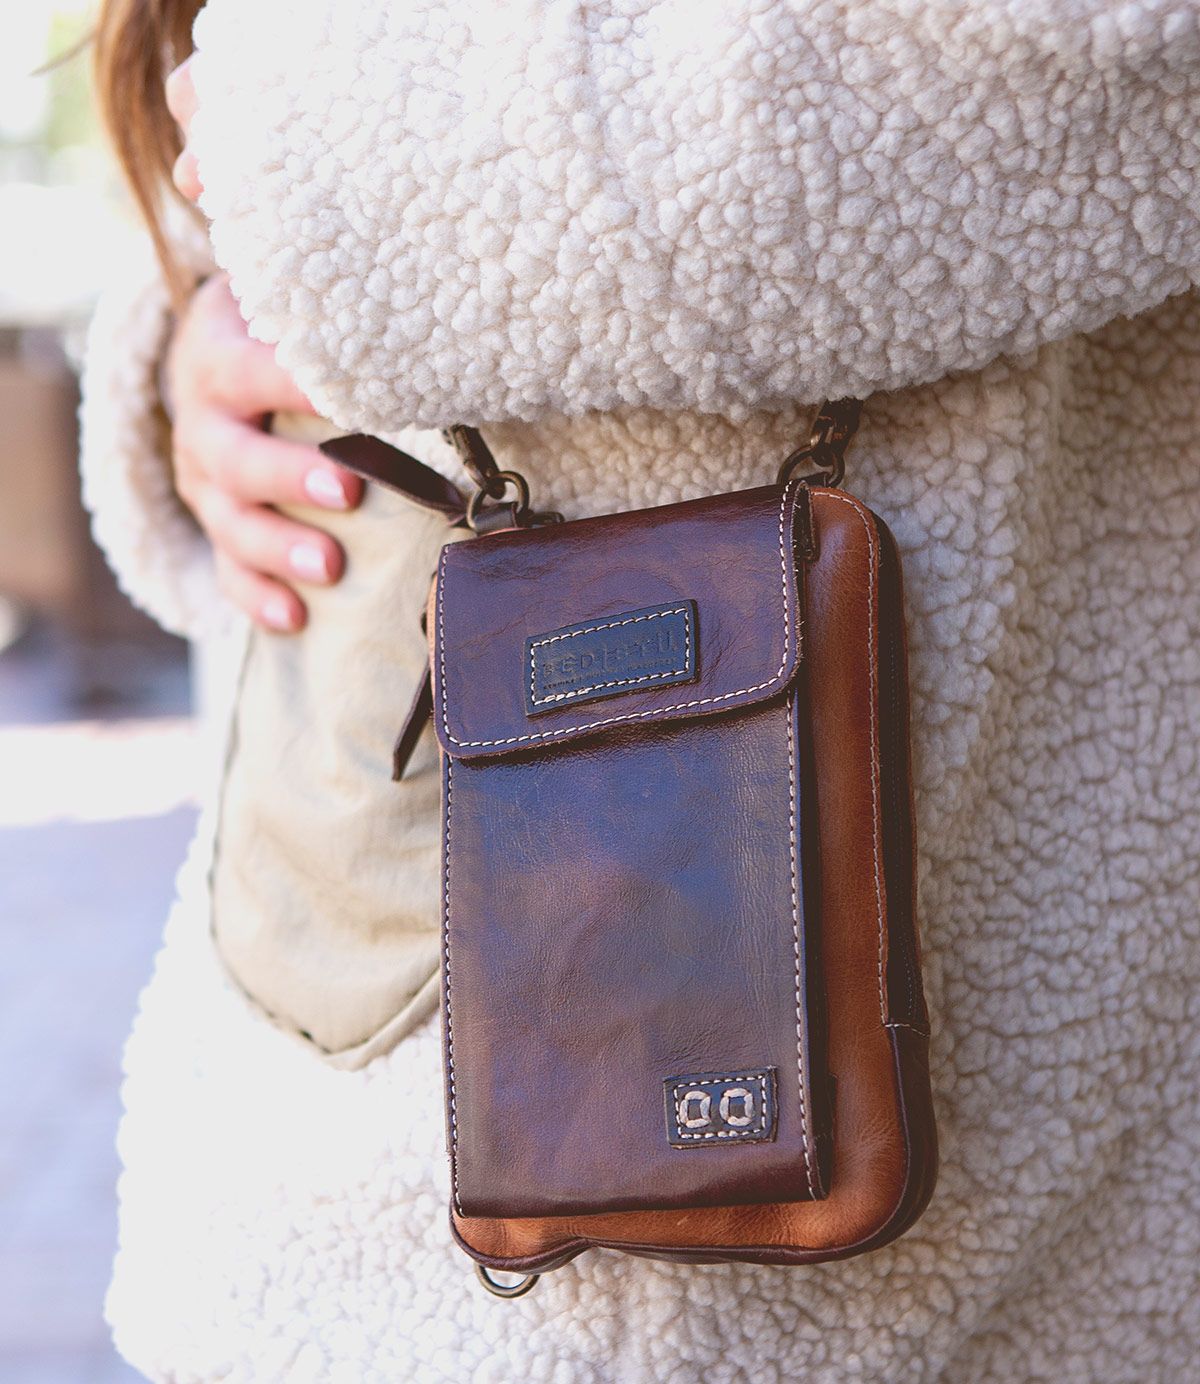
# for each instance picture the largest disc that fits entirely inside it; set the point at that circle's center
(325, 874)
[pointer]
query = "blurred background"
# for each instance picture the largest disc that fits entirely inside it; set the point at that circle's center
(96, 747)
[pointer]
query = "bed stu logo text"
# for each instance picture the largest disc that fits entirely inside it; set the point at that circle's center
(635, 653)
(611, 655)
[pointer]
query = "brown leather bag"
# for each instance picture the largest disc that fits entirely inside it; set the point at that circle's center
(682, 1002)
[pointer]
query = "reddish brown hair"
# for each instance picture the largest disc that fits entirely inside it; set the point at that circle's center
(138, 43)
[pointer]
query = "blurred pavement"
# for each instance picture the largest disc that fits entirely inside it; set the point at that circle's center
(95, 777)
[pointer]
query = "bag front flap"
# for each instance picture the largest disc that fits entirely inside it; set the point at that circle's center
(545, 636)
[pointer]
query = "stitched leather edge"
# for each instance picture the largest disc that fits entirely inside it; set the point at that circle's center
(654, 713)
(872, 656)
(794, 871)
(912, 1199)
(451, 1095)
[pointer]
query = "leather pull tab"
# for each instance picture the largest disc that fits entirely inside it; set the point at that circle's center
(379, 461)
(419, 714)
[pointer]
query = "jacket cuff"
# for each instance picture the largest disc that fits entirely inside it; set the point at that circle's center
(162, 560)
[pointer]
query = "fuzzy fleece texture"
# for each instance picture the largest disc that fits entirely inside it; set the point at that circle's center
(162, 559)
(523, 213)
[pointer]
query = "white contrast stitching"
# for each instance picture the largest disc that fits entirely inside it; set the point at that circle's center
(609, 625)
(449, 1011)
(632, 715)
(872, 641)
(681, 1093)
(808, 1176)
(620, 682)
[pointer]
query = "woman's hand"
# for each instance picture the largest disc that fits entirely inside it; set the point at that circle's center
(228, 471)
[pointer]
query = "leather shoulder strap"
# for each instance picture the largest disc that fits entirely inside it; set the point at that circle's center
(378, 461)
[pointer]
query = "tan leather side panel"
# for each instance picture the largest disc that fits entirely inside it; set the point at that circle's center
(883, 1152)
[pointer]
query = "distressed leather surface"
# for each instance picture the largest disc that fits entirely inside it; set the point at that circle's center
(624, 899)
(883, 1160)
(730, 554)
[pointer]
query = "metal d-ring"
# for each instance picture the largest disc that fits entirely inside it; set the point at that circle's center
(493, 488)
(834, 426)
(828, 470)
(506, 1290)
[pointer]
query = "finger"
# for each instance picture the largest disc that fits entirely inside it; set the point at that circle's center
(245, 376)
(254, 466)
(181, 95)
(271, 543)
(268, 603)
(186, 176)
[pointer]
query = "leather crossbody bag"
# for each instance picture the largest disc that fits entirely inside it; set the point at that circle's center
(681, 994)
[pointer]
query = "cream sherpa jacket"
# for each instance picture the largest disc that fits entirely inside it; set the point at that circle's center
(636, 239)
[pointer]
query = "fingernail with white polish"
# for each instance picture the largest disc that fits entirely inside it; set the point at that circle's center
(277, 613)
(325, 489)
(307, 560)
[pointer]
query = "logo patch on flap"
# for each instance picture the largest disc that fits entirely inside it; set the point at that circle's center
(717, 1108)
(637, 649)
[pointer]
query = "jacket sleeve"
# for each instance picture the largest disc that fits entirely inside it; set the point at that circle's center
(470, 211)
(162, 560)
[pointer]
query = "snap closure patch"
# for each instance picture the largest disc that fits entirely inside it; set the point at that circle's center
(653, 646)
(712, 1108)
